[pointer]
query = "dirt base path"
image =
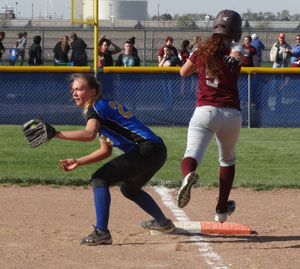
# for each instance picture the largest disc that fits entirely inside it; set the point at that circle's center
(40, 228)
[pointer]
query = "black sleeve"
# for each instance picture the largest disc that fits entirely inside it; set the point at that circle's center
(39, 55)
(138, 62)
(92, 114)
(119, 60)
(55, 48)
(1, 46)
(67, 48)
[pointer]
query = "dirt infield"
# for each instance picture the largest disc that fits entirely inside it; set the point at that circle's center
(40, 227)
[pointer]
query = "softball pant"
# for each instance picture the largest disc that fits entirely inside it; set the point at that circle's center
(132, 169)
(207, 121)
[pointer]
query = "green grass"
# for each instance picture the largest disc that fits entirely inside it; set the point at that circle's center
(266, 159)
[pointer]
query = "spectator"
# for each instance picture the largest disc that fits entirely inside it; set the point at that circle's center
(61, 51)
(105, 54)
(78, 56)
(196, 41)
(35, 52)
(295, 51)
(250, 53)
(259, 45)
(13, 54)
(184, 53)
(166, 58)
(133, 49)
(169, 43)
(2, 48)
(169, 59)
(296, 63)
(128, 58)
(22, 39)
(279, 53)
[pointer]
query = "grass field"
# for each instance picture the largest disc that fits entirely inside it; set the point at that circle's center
(266, 159)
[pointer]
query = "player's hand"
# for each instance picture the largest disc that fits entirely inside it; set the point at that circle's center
(68, 164)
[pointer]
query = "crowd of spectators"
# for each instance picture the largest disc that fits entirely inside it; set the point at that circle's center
(282, 54)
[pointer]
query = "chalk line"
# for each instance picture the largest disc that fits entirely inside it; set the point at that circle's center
(211, 258)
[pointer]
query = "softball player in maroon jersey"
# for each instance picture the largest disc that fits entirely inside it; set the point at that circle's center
(217, 109)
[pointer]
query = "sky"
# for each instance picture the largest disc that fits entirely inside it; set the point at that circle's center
(62, 8)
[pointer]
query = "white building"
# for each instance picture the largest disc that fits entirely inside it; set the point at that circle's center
(118, 9)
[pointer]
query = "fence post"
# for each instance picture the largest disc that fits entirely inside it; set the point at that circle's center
(249, 100)
(145, 46)
(152, 44)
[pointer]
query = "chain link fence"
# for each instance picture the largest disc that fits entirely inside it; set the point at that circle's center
(163, 99)
(148, 40)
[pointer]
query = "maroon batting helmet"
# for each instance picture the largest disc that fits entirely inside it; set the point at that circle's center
(228, 22)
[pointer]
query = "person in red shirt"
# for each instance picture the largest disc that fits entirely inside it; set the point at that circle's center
(184, 53)
(217, 112)
(169, 43)
(250, 53)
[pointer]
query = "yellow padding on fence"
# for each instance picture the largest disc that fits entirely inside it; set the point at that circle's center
(60, 69)
(270, 70)
(245, 70)
(140, 69)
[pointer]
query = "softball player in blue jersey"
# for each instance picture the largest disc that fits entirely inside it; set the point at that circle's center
(144, 154)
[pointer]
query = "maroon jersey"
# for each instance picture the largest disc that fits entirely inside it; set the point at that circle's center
(219, 92)
(184, 56)
(173, 50)
(249, 52)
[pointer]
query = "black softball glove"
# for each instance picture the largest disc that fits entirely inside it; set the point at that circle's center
(37, 132)
(231, 62)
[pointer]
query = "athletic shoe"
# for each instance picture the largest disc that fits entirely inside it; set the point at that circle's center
(169, 227)
(184, 193)
(222, 216)
(97, 237)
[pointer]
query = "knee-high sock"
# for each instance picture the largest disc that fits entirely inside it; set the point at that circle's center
(102, 205)
(226, 180)
(146, 202)
(188, 165)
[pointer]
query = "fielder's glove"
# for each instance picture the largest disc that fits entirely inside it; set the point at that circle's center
(37, 132)
(231, 62)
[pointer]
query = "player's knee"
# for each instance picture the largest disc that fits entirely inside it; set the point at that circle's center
(226, 162)
(128, 192)
(97, 182)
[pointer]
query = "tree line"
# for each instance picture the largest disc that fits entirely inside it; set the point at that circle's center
(189, 20)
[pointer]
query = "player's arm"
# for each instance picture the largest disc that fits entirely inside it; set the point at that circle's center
(188, 68)
(237, 51)
(235, 58)
(87, 135)
(100, 154)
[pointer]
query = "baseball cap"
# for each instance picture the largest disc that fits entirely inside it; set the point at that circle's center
(281, 35)
(255, 36)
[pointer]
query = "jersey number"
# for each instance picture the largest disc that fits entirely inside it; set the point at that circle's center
(213, 84)
(115, 105)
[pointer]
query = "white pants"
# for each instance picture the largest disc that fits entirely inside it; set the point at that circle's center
(207, 121)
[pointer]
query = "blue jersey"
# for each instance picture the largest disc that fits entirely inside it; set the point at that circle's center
(119, 127)
(13, 54)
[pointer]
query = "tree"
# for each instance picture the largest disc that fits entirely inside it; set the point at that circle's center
(165, 17)
(186, 21)
(285, 15)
